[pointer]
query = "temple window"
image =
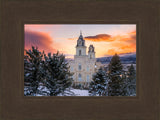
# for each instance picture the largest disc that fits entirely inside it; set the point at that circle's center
(87, 68)
(87, 78)
(79, 67)
(79, 52)
(79, 77)
(90, 56)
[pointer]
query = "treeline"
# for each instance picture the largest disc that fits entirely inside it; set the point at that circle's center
(114, 83)
(48, 71)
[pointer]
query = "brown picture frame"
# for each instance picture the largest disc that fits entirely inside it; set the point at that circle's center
(13, 16)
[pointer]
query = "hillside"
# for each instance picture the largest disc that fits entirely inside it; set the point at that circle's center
(125, 59)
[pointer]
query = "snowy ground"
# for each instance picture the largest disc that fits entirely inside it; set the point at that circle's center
(43, 91)
(75, 92)
(79, 92)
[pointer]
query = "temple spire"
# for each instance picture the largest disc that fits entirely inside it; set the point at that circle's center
(80, 32)
(80, 41)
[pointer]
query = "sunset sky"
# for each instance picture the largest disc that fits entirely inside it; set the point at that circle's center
(107, 39)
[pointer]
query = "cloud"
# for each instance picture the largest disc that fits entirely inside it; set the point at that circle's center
(121, 48)
(128, 37)
(39, 39)
(111, 52)
(123, 44)
(133, 36)
(100, 38)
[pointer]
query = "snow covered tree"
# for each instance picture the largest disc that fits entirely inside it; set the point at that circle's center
(27, 76)
(32, 71)
(58, 76)
(117, 85)
(131, 81)
(99, 85)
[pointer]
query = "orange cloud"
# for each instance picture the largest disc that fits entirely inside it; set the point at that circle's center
(121, 49)
(133, 32)
(133, 36)
(100, 38)
(111, 52)
(129, 37)
(123, 44)
(39, 39)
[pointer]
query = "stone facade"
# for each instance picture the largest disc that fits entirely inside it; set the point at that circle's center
(83, 66)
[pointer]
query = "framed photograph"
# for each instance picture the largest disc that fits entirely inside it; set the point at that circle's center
(83, 60)
(101, 63)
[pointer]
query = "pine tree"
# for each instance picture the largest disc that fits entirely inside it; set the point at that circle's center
(58, 76)
(131, 81)
(32, 70)
(117, 86)
(27, 76)
(99, 84)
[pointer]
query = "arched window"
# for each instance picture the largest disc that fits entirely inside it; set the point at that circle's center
(79, 66)
(87, 68)
(87, 78)
(79, 77)
(79, 52)
(90, 56)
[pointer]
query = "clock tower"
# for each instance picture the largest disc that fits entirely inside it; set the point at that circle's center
(80, 47)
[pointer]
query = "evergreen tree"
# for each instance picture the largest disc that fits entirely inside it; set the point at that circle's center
(117, 86)
(32, 70)
(27, 76)
(131, 81)
(58, 76)
(99, 84)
